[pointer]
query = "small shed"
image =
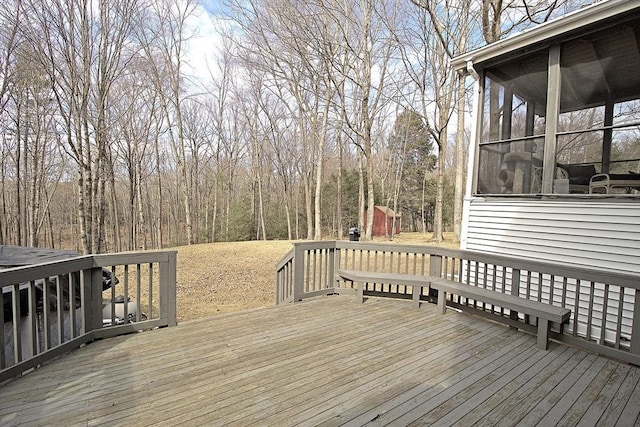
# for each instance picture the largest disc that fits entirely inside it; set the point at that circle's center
(383, 221)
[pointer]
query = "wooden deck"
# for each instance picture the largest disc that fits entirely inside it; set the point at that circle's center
(327, 361)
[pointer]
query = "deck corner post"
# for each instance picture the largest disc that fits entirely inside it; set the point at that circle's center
(330, 278)
(92, 299)
(298, 272)
(435, 270)
(335, 265)
(635, 331)
(168, 299)
(435, 265)
(515, 290)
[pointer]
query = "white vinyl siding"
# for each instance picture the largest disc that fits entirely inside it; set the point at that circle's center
(600, 234)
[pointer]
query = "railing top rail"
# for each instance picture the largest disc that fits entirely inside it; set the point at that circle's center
(106, 260)
(315, 244)
(388, 247)
(14, 275)
(547, 267)
(629, 280)
(288, 257)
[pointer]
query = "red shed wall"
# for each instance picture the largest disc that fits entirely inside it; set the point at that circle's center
(379, 223)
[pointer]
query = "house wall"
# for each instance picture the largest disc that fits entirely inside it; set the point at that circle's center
(594, 234)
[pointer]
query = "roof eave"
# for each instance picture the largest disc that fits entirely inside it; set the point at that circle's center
(581, 18)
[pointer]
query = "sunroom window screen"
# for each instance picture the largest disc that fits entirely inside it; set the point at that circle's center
(513, 124)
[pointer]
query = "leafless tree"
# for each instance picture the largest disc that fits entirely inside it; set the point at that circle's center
(163, 35)
(452, 24)
(362, 64)
(81, 45)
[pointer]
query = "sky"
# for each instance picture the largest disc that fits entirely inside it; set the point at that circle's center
(204, 24)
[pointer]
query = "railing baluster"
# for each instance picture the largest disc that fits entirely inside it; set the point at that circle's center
(527, 293)
(150, 290)
(125, 313)
(604, 315)
(33, 319)
(576, 309)
(17, 332)
(407, 261)
(138, 291)
(113, 299)
(590, 311)
(72, 306)
(635, 329)
(619, 316)
(540, 286)
(309, 266)
(375, 261)
(317, 261)
(60, 310)
(46, 313)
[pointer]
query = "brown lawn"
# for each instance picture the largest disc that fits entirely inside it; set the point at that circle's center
(219, 278)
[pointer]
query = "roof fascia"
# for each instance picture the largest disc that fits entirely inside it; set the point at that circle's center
(544, 32)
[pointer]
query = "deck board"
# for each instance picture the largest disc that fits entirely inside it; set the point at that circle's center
(327, 361)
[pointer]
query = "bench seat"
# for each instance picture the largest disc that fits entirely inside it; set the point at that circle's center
(545, 313)
(417, 282)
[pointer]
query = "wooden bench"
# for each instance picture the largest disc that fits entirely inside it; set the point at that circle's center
(417, 282)
(544, 312)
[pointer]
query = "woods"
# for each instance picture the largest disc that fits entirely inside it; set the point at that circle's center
(310, 112)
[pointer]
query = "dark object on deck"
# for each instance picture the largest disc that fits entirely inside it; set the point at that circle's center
(354, 234)
(19, 256)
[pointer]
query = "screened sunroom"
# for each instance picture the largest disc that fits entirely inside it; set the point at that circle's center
(562, 116)
(554, 162)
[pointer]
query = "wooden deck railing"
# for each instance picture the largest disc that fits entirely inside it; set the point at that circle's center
(52, 308)
(605, 306)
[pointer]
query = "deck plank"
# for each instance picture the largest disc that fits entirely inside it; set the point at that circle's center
(370, 380)
(501, 400)
(433, 361)
(564, 397)
(414, 408)
(373, 352)
(283, 375)
(260, 357)
(326, 361)
(621, 400)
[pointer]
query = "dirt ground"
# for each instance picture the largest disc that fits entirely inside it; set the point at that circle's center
(220, 278)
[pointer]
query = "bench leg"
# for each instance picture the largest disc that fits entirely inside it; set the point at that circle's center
(543, 333)
(361, 292)
(416, 296)
(442, 301)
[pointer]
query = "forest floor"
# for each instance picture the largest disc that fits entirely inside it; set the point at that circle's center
(218, 278)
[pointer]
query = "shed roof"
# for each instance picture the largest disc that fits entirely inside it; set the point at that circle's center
(388, 211)
(598, 16)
